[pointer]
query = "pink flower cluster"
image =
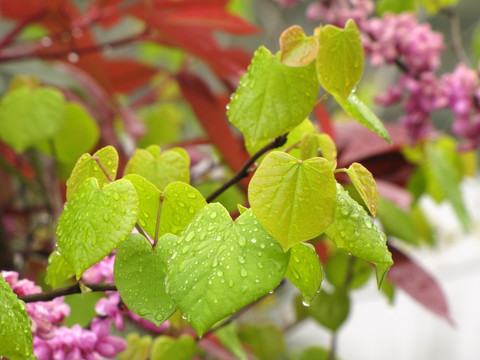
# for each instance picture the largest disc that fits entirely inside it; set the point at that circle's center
(51, 340)
(416, 49)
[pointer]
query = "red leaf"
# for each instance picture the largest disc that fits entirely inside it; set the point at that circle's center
(21, 9)
(324, 120)
(119, 75)
(213, 119)
(210, 17)
(418, 283)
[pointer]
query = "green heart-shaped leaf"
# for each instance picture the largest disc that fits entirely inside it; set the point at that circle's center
(304, 271)
(354, 107)
(78, 134)
(89, 166)
(95, 221)
(354, 231)
(15, 326)
(139, 274)
(167, 348)
(340, 59)
(58, 270)
(160, 168)
(327, 147)
(330, 309)
(219, 266)
(365, 184)
(29, 116)
(272, 98)
(179, 205)
(296, 48)
(293, 199)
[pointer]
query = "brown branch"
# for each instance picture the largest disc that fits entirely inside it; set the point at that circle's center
(62, 53)
(10, 37)
(70, 290)
(456, 35)
(243, 172)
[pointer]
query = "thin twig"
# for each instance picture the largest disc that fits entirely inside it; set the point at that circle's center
(333, 346)
(73, 289)
(243, 172)
(456, 35)
(10, 37)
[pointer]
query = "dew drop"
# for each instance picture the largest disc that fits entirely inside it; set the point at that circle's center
(106, 218)
(46, 41)
(73, 57)
(230, 283)
(213, 215)
(220, 273)
(241, 259)
(260, 265)
(242, 241)
(243, 272)
(181, 204)
(305, 303)
(189, 236)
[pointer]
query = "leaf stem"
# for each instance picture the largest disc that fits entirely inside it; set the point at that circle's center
(243, 172)
(333, 346)
(109, 178)
(69, 290)
(157, 226)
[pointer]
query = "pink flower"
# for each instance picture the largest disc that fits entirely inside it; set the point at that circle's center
(109, 307)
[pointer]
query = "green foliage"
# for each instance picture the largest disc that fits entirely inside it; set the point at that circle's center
(443, 171)
(166, 348)
(313, 353)
(15, 334)
(95, 221)
(293, 199)
(304, 270)
(434, 6)
(139, 274)
(270, 99)
(30, 115)
(354, 231)
(228, 336)
(395, 6)
(67, 148)
(266, 341)
(354, 107)
(397, 222)
(219, 266)
(58, 270)
(365, 184)
(340, 59)
(346, 271)
(88, 166)
(138, 348)
(160, 168)
(330, 309)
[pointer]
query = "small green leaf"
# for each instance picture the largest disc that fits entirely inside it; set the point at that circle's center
(293, 199)
(219, 266)
(296, 48)
(330, 309)
(340, 59)
(168, 348)
(327, 147)
(272, 98)
(309, 146)
(395, 6)
(396, 222)
(354, 231)
(138, 348)
(160, 168)
(87, 167)
(228, 337)
(434, 6)
(354, 107)
(304, 270)
(58, 270)
(342, 268)
(139, 274)
(266, 341)
(365, 184)
(15, 333)
(313, 353)
(29, 116)
(180, 205)
(95, 221)
(442, 167)
(77, 135)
